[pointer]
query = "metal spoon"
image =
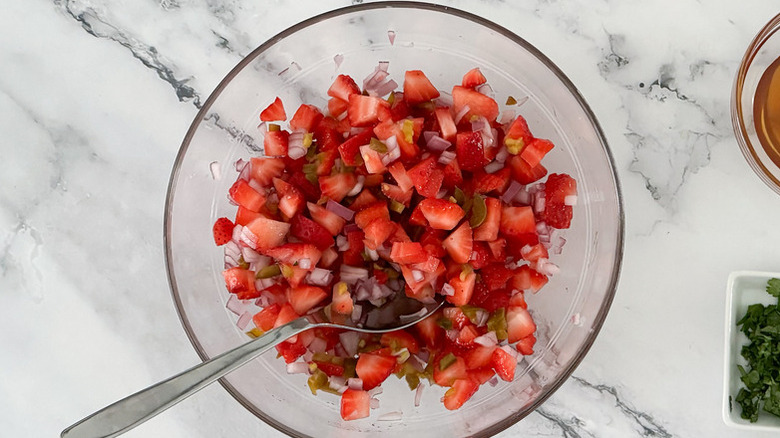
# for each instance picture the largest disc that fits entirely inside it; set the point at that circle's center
(123, 415)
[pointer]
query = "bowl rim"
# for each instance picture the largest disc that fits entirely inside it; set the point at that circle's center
(600, 317)
(737, 115)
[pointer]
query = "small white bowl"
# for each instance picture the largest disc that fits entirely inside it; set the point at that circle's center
(744, 288)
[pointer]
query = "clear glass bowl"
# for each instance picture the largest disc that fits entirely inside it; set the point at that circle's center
(298, 65)
(762, 52)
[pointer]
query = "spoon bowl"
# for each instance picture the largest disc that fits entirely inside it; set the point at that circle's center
(396, 313)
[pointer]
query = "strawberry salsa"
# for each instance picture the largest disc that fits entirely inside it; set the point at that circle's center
(397, 191)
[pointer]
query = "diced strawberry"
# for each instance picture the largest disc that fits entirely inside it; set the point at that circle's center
(350, 149)
(423, 291)
(480, 255)
(446, 123)
(473, 78)
(372, 180)
(239, 281)
(517, 221)
(464, 288)
(467, 335)
(309, 231)
(408, 253)
(310, 191)
(489, 300)
(342, 300)
(461, 391)
(274, 112)
(397, 194)
(331, 221)
(293, 253)
(418, 88)
(264, 319)
(428, 331)
(488, 182)
(245, 215)
(496, 275)
(343, 87)
(504, 364)
(329, 368)
(264, 170)
(327, 134)
(488, 230)
(425, 177)
(374, 368)
(533, 253)
(303, 298)
(399, 235)
(525, 174)
(399, 109)
(526, 278)
(400, 339)
(518, 299)
(286, 314)
(305, 118)
(364, 199)
(365, 110)
(372, 160)
(497, 248)
(355, 404)
(400, 175)
(441, 214)
(244, 195)
(525, 346)
(478, 103)
(291, 351)
(337, 186)
(456, 316)
(519, 324)
(536, 150)
(377, 210)
(377, 231)
(294, 275)
(460, 243)
(479, 356)
(481, 375)
(266, 233)
(453, 177)
(557, 188)
(291, 200)
(222, 230)
(469, 150)
(275, 143)
(453, 371)
(518, 136)
(353, 256)
(418, 218)
(431, 264)
(337, 107)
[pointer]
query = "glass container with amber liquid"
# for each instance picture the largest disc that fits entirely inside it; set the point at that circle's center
(766, 111)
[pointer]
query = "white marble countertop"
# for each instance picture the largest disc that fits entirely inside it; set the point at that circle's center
(96, 96)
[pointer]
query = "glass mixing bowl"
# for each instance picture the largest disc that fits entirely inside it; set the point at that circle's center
(299, 65)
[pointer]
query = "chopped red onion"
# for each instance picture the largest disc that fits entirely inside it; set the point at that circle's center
(493, 381)
(248, 238)
(372, 254)
(374, 403)
(295, 148)
(383, 89)
(338, 59)
(489, 339)
(256, 186)
(502, 153)
(340, 210)
(357, 312)
(438, 144)
(446, 158)
(482, 316)
(374, 79)
(391, 36)
(441, 194)
(511, 191)
(318, 345)
(235, 305)
(452, 334)
(523, 196)
(463, 111)
(493, 167)
(391, 416)
(570, 200)
(230, 262)
(509, 349)
(383, 66)
(298, 368)
(444, 99)
(418, 364)
(418, 394)
(556, 246)
(375, 391)
(216, 170)
(542, 228)
(342, 243)
(349, 341)
(417, 275)
(447, 290)
(507, 116)
(351, 274)
(263, 301)
(546, 267)
(308, 356)
(576, 319)
(480, 124)
(358, 187)
(260, 263)
(233, 250)
(304, 264)
(393, 150)
(355, 383)
(249, 255)
(486, 89)
(244, 320)
(264, 283)
(522, 100)
(320, 277)
(539, 204)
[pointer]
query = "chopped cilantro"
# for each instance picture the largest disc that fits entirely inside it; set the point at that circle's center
(761, 324)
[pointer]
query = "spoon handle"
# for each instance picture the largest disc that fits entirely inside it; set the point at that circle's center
(135, 409)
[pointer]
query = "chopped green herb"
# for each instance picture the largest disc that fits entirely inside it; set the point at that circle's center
(761, 324)
(268, 272)
(378, 146)
(446, 361)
